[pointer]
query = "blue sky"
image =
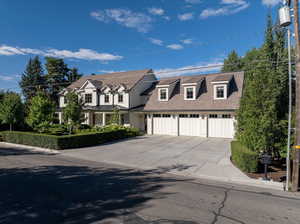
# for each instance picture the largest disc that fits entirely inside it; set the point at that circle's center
(98, 36)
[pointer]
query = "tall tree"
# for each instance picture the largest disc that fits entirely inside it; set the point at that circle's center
(41, 112)
(73, 75)
(233, 63)
(32, 79)
(56, 78)
(72, 113)
(11, 109)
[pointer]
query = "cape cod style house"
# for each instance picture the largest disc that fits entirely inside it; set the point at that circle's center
(198, 105)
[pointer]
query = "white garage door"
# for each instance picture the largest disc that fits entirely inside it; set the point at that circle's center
(164, 124)
(221, 126)
(192, 125)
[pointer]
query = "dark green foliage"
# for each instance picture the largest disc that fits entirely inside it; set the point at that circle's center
(32, 79)
(243, 158)
(57, 71)
(11, 109)
(73, 75)
(233, 63)
(68, 141)
(262, 117)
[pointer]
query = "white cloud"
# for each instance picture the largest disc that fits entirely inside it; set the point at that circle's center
(175, 46)
(187, 41)
(193, 1)
(231, 7)
(202, 67)
(110, 71)
(7, 78)
(156, 11)
(82, 54)
(186, 16)
(139, 21)
(156, 41)
(271, 2)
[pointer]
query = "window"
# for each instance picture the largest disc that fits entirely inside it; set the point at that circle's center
(213, 116)
(106, 98)
(88, 98)
(120, 98)
(226, 115)
(183, 115)
(65, 100)
(220, 92)
(156, 115)
(163, 94)
(194, 115)
(190, 93)
(166, 115)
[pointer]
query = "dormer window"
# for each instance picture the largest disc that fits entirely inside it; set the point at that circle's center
(120, 98)
(220, 92)
(163, 94)
(190, 93)
(88, 98)
(106, 98)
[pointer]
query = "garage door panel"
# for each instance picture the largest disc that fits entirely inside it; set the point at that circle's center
(164, 125)
(192, 127)
(221, 128)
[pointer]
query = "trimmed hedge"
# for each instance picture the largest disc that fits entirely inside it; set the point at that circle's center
(243, 158)
(67, 141)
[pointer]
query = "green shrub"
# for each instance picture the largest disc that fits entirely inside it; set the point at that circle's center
(68, 141)
(243, 158)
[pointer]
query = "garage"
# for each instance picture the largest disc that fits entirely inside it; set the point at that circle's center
(164, 124)
(192, 125)
(220, 126)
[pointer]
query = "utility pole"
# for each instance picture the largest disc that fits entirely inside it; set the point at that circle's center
(295, 174)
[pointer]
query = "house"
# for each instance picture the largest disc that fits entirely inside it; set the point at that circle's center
(198, 105)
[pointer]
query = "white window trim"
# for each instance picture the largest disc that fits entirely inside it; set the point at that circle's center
(167, 91)
(185, 93)
(225, 92)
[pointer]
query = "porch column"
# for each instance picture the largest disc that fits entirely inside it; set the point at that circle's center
(103, 119)
(207, 126)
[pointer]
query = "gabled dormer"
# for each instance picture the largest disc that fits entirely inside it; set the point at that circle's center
(165, 89)
(88, 92)
(221, 87)
(191, 87)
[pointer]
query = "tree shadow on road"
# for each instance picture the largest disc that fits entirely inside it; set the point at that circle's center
(75, 194)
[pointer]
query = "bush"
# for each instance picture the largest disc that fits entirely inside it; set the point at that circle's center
(243, 158)
(68, 141)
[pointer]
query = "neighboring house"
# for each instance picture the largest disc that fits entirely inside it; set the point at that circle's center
(197, 105)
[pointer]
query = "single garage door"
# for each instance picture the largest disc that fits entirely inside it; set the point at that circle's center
(164, 124)
(192, 125)
(221, 126)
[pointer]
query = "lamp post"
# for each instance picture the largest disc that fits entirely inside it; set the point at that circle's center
(285, 21)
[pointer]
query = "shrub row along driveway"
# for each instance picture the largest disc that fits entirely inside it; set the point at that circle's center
(187, 156)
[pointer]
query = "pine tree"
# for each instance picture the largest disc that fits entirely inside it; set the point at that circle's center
(32, 79)
(233, 63)
(73, 75)
(56, 78)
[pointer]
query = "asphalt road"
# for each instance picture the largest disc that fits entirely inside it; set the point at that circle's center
(40, 188)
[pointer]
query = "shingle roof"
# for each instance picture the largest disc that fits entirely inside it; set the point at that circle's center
(128, 79)
(168, 81)
(196, 79)
(223, 78)
(205, 101)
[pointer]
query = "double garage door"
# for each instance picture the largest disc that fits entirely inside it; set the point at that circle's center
(218, 126)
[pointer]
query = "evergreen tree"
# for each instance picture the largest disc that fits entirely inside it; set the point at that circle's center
(32, 79)
(56, 78)
(233, 63)
(73, 75)
(11, 109)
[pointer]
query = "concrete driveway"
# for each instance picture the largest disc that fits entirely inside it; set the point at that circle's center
(187, 156)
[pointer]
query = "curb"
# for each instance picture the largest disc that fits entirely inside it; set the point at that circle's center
(33, 148)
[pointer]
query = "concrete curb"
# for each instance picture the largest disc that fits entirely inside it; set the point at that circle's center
(33, 148)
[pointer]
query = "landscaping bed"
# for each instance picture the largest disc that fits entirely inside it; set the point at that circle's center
(69, 141)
